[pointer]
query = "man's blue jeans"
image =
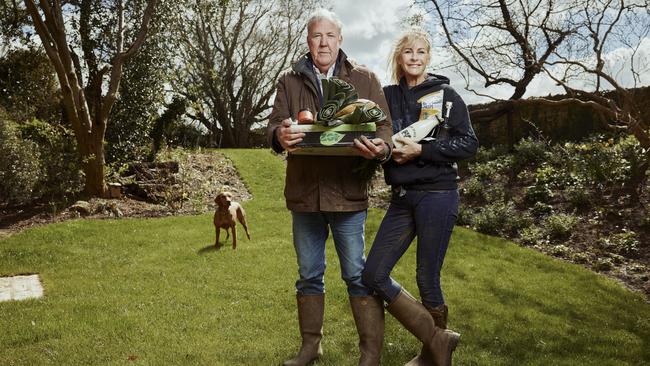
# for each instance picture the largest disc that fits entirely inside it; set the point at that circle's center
(431, 215)
(310, 231)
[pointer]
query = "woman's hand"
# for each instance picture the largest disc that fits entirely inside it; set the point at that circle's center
(371, 149)
(409, 150)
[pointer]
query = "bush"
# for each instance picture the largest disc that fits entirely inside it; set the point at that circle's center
(538, 193)
(625, 243)
(578, 196)
(531, 235)
(473, 188)
(20, 168)
(530, 152)
(465, 215)
(495, 192)
(61, 176)
(598, 162)
(558, 227)
(500, 218)
(541, 209)
(484, 155)
(492, 170)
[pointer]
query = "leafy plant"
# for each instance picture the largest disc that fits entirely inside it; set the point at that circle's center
(531, 235)
(500, 218)
(530, 151)
(20, 168)
(560, 226)
(538, 193)
(626, 242)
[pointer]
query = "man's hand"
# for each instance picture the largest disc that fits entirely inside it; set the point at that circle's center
(371, 149)
(286, 137)
(409, 150)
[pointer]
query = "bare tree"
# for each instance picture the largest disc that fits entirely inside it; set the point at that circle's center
(87, 100)
(503, 43)
(590, 77)
(233, 54)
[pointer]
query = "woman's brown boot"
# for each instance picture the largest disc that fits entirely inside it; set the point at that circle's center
(439, 315)
(416, 319)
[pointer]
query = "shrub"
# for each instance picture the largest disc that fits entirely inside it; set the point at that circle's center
(531, 235)
(578, 196)
(579, 257)
(500, 218)
(548, 175)
(541, 209)
(62, 176)
(492, 170)
(491, 218)
(20, 168)
(495, 192)
(558, 227)
(473, 188)
(530, 152)
(538, 193)
(626, 243)
(603, 264)
(465, 214)
(484, 155)
(598, 162)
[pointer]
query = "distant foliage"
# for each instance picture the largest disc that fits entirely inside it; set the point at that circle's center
(61, 176)
(28, 87)
(19, 165)
(38, 161)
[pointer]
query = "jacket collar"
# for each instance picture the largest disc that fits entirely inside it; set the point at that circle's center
(304, 65)
(431, 80)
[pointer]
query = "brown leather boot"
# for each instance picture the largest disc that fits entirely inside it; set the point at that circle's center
(368, 314)
(416, 319)
(439, 315)
(310, 319)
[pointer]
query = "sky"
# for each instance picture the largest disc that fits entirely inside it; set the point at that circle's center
(371, 26)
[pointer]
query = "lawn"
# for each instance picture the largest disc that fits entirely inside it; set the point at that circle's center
(155, 292)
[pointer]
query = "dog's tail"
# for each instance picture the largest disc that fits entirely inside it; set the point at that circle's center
(242, 220)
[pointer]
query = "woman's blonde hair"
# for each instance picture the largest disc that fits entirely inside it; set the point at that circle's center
(405, 40)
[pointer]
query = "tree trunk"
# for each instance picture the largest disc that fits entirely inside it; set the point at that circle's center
(94, 170)
(91, 149)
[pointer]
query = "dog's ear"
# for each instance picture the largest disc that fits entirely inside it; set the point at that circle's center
(218, 199)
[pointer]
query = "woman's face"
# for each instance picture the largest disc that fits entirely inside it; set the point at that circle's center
(414, 59)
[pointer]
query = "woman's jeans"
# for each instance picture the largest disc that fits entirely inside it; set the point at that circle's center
(310, 231)
(431, 216)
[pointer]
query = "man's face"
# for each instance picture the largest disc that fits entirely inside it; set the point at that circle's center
(324, 41)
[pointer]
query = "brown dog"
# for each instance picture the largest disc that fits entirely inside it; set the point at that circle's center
(224, 217)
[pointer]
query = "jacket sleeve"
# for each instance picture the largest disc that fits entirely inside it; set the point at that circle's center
(460, 142)
(279, 113)
(384, 128)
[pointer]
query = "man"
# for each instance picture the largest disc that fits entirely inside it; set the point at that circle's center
(324, 193)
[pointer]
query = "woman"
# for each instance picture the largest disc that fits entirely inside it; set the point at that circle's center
(423, 176)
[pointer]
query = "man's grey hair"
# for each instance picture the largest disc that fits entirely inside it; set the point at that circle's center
(324, 14)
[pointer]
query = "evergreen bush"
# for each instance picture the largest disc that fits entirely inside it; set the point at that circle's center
(20, 167)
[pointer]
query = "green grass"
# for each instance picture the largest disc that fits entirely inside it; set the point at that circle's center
(155, 291)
